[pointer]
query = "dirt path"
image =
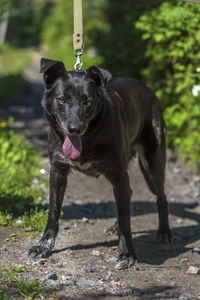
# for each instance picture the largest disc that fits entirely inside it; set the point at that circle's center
(84, 258)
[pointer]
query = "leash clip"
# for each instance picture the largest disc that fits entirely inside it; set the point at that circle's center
(78, 65)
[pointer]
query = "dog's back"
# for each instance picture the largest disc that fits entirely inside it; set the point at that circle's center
(139, 108)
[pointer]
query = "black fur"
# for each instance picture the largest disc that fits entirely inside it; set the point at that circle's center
(124, 118)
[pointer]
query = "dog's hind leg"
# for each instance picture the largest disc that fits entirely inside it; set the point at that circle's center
(152, 165)
(122, 193)
(58, 183)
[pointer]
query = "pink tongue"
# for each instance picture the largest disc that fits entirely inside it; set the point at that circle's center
(72, 146)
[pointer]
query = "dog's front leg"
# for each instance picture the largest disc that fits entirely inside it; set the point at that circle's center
(58, 182)
(122, 192)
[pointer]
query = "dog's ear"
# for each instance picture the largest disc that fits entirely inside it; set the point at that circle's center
(98, 75)
(52, 69)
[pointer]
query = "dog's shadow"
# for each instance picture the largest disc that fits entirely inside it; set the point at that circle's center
(145, 242)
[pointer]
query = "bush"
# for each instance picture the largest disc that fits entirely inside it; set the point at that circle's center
(173, 43)
(58, 29)
(20, 164)
(13, 62)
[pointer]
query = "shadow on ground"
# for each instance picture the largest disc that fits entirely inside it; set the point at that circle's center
(148, 249)
(151, 291)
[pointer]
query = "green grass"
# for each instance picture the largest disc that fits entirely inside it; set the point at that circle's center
(35, 220)
(20, 197)
(28, 288)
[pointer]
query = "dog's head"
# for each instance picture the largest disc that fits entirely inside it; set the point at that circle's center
(72, 100)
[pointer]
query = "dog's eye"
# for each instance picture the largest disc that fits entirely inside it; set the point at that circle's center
(88, 102)
(60, 100)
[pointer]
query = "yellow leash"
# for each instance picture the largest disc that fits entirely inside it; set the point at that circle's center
(78, 33)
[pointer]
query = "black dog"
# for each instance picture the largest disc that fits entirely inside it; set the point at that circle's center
(97, 124)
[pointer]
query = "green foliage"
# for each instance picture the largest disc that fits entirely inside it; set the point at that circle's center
(14, 60)
(16, 157)
(17, 269)
(19, 87)
(13, 63)
(25, 21)
(28, 288)
(20, 164)
(116, 39)
(4, 295)
(58, 29)
(173, 55)
(35, 220)
(5, 219)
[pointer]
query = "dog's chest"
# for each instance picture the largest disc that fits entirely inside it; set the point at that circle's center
(88, 168)
(84, 166)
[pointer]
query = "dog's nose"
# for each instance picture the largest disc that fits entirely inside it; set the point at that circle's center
(74, 129)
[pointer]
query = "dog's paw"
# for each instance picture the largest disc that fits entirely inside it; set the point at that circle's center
(42, 247)
(125, 262)
(164, 236)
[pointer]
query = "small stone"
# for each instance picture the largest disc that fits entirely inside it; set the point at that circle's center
(196, 250)
(96, 253)
(43, 261)
(32, 261)
(193, 270)
(193, 203)
(53, 261)
(51, 282)
(130, 286)
(23, 276)
(63, 278)
(74, 280)
(13, 234)
(18, 222)
(112, 259)
(66, 277)
(106, 278)
(84, 220)
(183, 297)
(60, 287)
(129, 290)
(114, 278)
(68, 252)
(123, 264)
(4, 249)
(184, 259)
(111, 277)
(59, 265)
(114, 247)
(50, 276)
